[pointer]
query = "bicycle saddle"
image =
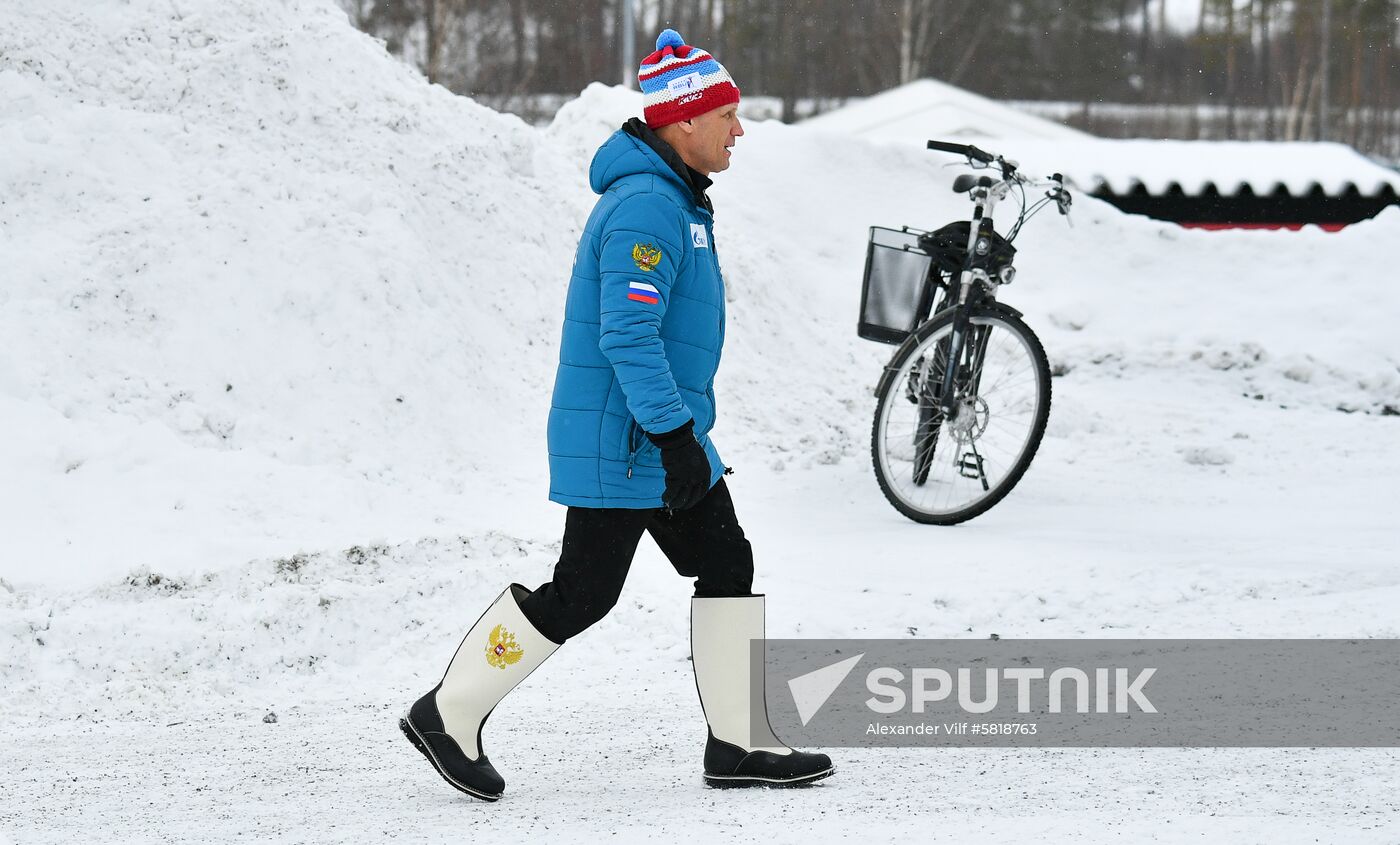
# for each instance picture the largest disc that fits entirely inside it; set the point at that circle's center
(966, 182)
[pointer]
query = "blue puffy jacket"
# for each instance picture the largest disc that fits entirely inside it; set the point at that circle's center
(643, 330)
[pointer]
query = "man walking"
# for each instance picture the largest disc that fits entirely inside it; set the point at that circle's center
(629, 446)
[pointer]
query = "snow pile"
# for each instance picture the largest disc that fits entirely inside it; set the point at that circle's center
(304, 615)
(250, 286)
(267, 290)
(929, 108)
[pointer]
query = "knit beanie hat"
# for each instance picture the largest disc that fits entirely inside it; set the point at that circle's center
(680, 82)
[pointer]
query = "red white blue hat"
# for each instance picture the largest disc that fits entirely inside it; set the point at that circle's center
(680, 82)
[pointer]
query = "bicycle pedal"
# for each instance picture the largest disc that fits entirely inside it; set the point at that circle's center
(970, 466)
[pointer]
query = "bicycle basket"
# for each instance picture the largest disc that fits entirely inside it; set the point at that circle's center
(890, 297)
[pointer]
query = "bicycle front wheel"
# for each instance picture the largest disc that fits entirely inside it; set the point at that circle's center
(943, 470)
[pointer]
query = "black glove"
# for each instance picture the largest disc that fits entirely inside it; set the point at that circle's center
(687, 467)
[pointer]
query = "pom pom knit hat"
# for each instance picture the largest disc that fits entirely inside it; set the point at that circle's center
(680, 82)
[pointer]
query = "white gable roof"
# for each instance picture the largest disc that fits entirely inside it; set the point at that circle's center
(927, 108)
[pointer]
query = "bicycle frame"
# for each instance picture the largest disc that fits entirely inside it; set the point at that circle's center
(985, 198)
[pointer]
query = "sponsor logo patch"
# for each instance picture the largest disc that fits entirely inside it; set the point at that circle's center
(503, 650)
(690, 98)
(683, 84)
(698, 236)
(643, 292)
(647, 257)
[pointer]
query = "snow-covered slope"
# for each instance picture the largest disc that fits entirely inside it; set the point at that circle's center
(280, 322)
(930, 108)
(264, 287)
(248, 288)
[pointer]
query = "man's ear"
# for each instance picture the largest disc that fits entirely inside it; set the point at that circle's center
(670, 130)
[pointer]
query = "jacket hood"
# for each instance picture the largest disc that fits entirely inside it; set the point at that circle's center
(635, 149)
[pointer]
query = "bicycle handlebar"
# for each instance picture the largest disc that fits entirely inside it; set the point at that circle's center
(964, 150)
(1008, 171)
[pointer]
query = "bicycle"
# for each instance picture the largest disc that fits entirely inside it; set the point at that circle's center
(964, 401)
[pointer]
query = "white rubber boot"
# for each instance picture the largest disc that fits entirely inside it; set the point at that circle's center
(500, 650)
(737, 752)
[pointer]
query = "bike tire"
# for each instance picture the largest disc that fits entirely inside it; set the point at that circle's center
(926, 337)
(925, 438)
(926, 434)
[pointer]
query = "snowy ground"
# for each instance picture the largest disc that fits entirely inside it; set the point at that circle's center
(605, 741)
(277, 356)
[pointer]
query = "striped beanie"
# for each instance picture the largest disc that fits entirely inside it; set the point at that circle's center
(680, 82)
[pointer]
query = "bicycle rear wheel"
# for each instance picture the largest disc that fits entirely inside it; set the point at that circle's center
(945, 470)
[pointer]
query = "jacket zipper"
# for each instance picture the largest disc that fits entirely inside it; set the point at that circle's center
(632, 446)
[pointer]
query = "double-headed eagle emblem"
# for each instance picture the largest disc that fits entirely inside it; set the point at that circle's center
(503, 650)
(647, 257)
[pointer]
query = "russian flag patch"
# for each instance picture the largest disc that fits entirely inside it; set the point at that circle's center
(643, 292)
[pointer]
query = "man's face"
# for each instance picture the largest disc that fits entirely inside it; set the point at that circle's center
(711, 136)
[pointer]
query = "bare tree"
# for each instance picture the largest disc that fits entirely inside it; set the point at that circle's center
(438, 17)
(917, 17)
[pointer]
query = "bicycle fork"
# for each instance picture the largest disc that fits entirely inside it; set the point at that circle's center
(970, 464)
(947, 394)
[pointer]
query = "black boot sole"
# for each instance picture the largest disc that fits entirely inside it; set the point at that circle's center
(740, 781)
(418, 742)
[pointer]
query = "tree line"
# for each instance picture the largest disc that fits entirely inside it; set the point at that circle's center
(1275, 69)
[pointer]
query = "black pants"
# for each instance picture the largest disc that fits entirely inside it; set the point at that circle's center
(704, 543)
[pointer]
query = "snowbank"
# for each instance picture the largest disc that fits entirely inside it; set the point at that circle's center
(280, 322)
(267, 289)
(246, 225)
(929, 108)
